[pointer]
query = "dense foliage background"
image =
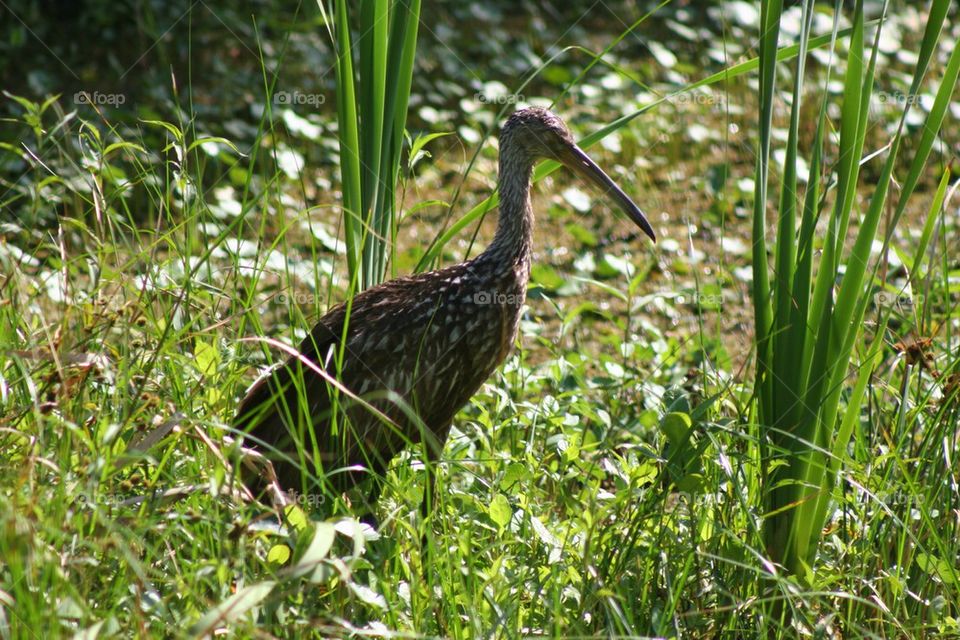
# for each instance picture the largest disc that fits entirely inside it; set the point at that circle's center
(170, 190)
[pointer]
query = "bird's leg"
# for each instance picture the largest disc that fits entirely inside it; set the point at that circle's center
(372, 498)
(429, 490)
(432, 448)
(427, 504)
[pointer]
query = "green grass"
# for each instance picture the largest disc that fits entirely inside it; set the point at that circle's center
(807, 326)
(608, 480)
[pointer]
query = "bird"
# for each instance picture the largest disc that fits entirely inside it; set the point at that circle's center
(393, 366)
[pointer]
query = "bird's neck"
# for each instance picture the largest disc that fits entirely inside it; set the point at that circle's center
(510, 248)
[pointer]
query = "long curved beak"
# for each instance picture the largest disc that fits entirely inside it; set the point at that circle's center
(580, 163)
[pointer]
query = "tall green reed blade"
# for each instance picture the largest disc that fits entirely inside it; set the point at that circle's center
(372, 43)
(792, 439)
(373, 89)
(853, 298)
(812, 334)
(788, 338)
(405, 19)
(800, 437)
(847, 170)
(777, 393)
(770, 14)
(850, 150)
(348, 134)
(799, 329)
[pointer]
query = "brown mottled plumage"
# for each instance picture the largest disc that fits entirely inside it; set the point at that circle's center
(431, 338)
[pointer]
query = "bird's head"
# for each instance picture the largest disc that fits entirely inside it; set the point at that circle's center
(539, 133)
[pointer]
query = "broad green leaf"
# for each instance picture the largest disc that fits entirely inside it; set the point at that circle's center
(676, 426)
(206, 357)
(500, 511)
(278, 555)
(231, 609)
(320, 545)
(295, 517)
(515, 473)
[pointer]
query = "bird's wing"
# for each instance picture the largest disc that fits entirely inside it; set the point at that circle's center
(382, 322)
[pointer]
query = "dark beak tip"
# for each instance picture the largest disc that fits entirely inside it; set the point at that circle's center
(579, 162)
(649, 232)
(641, 220)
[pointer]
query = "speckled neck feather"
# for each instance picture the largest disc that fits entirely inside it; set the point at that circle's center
(511, 243)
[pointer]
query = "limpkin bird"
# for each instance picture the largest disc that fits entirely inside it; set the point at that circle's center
(429, 339)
